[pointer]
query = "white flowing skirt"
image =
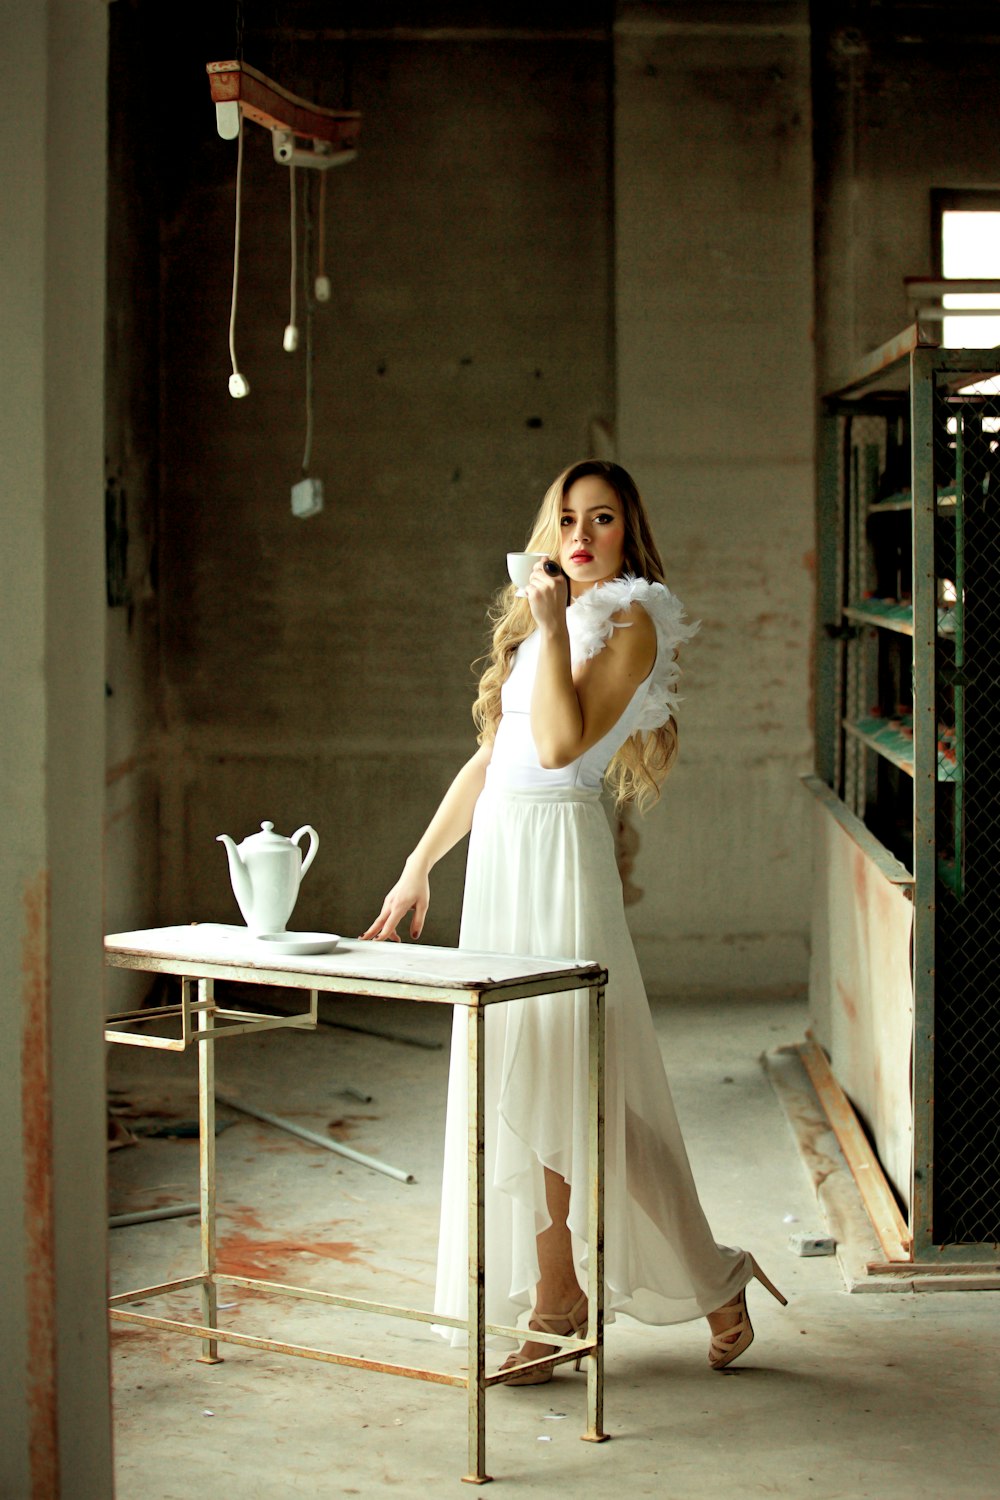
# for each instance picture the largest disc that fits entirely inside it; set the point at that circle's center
(542, 880)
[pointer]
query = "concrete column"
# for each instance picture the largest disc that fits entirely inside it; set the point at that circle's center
(713, 284)
(54, 1389)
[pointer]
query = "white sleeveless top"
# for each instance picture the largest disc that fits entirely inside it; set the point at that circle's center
(514, 764)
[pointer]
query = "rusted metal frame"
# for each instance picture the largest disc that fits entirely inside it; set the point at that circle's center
(958, 818)
(828, 650)
(548, 1362)
(866, 1169)
(476, 1327)
(204, 1004)
(263, 1023)
(137, 1039)
(148, 1013)
(354, 1304)
(887, 864)
(274, 107)
(854, 759)
(206, 1169)
(565, 1340)
(866, 642)
(501, 991)
(160, 1290)
(180, 1044)
(595, 1219)
(477, 1382)
(881, 360)
(237, 1021)
(925, 769)
(211, 1334)
(466, 993)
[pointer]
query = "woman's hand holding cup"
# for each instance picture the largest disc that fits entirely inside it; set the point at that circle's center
(542, 582)
(519, 566)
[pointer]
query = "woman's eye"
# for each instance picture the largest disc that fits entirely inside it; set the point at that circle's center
(605, 520)
(566, 521)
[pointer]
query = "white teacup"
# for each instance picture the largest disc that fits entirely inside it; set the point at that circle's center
(519, 566)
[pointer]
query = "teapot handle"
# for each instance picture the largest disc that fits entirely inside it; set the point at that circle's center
(310, 853)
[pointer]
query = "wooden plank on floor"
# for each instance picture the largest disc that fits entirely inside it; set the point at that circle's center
(876, 1194)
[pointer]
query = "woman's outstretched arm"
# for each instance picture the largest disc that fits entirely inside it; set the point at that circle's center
(573, 708)
(450, 823)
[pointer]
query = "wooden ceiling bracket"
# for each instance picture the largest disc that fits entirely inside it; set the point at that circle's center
(305, 134)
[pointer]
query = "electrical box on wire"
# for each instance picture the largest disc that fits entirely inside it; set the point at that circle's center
(307, 497)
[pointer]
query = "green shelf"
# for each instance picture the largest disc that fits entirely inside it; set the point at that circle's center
(898, 617)
(904, 501)
(897, 747)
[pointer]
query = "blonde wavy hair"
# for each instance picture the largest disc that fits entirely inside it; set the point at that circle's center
(638, 770)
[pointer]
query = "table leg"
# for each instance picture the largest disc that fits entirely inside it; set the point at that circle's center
(595, 1222)
(206, 1169)
(477, 1238)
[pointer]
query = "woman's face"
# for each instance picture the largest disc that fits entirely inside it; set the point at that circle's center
(591, 534)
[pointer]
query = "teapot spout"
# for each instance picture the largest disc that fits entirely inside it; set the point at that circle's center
(238, 874)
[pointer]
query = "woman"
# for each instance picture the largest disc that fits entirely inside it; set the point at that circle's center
(581, 681)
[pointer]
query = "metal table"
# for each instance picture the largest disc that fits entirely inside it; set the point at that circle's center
(201, 954)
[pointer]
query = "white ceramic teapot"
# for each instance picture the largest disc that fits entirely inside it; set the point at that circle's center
(266, 871)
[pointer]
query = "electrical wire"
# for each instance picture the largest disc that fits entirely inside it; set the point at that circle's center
(321, 237)
(310, 307)
(294, 246)
(236, 247)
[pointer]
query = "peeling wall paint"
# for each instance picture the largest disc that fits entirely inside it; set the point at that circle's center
(36, 1106)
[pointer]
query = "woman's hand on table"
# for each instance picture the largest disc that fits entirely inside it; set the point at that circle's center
(412, 892)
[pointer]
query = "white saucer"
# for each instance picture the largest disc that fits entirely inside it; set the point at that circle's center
(298, 942)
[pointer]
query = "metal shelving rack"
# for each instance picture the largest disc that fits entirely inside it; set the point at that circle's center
(908, 734)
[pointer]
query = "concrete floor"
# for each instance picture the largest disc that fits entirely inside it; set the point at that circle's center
(841, 1396)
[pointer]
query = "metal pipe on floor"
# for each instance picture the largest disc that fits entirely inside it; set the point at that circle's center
(147, 1215)
(317, 1140)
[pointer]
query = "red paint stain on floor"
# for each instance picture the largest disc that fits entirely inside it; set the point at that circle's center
(241, 1214)
(239, 1255)
(122, 1334)
(345, 1126)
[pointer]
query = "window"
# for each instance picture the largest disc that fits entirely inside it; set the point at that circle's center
(967, 246)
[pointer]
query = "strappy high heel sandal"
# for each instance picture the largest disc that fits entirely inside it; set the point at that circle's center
(734, 1340)
(573, 1322)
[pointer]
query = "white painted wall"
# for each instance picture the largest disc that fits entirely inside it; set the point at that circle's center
(713, 265)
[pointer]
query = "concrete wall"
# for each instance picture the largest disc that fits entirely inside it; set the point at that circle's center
(54, 1397)
(132, 404)
(713, 285)
(318, 670)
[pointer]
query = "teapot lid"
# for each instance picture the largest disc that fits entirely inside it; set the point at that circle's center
(266, 839)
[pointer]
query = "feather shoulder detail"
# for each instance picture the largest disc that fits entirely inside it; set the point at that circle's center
(590, 621)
